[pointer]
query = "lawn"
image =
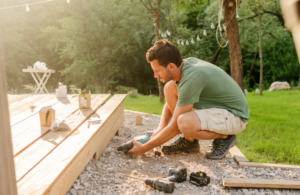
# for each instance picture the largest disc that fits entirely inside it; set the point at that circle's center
(272, 135)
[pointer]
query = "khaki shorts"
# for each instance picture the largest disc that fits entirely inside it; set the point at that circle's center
(220, 121)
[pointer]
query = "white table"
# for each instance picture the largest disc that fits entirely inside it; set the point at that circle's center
(41, 82)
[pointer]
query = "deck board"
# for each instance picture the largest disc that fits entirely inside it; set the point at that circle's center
(30, 130)
(56, 173)
(30, 157)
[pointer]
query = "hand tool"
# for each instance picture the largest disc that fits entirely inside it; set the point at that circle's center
(158, 184)
(142, 139)
(177, 175)
(199, 178)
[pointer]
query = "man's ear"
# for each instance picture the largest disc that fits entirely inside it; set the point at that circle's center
(171, 66)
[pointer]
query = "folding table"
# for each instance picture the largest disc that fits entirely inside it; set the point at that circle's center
(41, 82)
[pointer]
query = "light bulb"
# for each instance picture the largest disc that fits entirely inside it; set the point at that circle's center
(237, 15)
(168, 32)
(182, 43)
(187, 42)
(27, 8)
(178, 42)
(222, 17)
(212, 26)
(68, 1)
(198, 38)
(192, 41)
(154, 23)
(159, 31)
(204, 33)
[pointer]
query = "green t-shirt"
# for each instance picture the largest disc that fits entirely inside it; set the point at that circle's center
(208, 86)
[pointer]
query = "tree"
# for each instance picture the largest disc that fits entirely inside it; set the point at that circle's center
(235, 52)
(156, 14)
(260, 55)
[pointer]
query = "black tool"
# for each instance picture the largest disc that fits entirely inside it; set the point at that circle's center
(177, 175)
(142, 139)
(199, 178)
(158, 184)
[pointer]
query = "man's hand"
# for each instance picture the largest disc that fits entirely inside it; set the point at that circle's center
(137, 148)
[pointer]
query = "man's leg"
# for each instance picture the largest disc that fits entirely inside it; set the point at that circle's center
(190, 125)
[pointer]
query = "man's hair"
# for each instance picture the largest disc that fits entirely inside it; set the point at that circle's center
(165, 52)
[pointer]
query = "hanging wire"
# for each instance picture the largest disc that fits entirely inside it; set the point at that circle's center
(25, 5)
(219, 28)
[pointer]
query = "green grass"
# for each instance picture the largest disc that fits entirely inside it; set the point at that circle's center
(273, 131)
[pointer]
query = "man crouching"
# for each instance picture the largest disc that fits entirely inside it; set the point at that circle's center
(203, 100)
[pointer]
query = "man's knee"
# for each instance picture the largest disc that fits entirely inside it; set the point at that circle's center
(183, 124)
(170, 87)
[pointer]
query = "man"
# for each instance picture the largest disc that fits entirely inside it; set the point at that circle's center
(203, 100)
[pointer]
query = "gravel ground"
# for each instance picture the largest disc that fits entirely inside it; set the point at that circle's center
(102, 177)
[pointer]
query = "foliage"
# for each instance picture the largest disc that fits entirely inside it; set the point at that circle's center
(133, 93)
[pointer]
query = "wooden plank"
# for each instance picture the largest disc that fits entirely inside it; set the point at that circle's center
(27, 106)
(27, 112)
(238, 155)
(108, 136)
(56, 176)
(260, 183)
(30, 129)
(7, 170)
(138, 114)
(15, 98)
(30, 157)
(25, 101)
(33, 122)
(267, 165)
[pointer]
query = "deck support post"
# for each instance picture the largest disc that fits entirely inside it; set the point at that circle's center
(7, 167)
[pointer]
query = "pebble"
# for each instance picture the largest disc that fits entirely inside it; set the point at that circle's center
(101, 177)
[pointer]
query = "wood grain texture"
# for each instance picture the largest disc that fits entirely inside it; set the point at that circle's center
(7, 170)
(267, 165)
(27, 112)
(260, 183)
(16, 98)
(56, 176)
(238, 155)
(30, 157)
(30, 130)
(33, 122)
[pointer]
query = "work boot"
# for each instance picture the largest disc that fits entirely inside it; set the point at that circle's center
(182, 145)
(221, 147)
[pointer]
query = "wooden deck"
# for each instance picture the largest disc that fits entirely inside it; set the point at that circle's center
(48, 162)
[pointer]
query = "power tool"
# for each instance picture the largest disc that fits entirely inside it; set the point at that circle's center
(177, 175)
(199, 178)
(142, 139)
(157, 184)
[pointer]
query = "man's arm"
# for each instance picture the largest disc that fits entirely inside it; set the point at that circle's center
(164, 121)
(165, 135)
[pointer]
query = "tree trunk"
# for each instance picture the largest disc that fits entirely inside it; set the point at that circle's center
(235, 52)
(260, 57)
(159, 83)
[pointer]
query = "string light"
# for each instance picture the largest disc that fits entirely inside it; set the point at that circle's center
(182, 43)
(168, 32)
(198, 38)
(26, 5)
(212, 26)
(27, 8)
(187, 42)
(192, 41)
(178, 42)
(204, 33)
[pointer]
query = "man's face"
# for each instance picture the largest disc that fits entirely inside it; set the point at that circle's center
(164, 74)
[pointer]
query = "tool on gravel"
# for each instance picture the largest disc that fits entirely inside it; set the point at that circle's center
(177, 175)
(157, 184)
(199, 178)
(129, 145)
(156, 152)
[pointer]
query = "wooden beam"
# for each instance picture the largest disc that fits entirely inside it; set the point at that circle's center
(238, 155)
(56, 176)
(35, 153)
(267, 165)
(108, 136)
(260, 183)
(7, 169)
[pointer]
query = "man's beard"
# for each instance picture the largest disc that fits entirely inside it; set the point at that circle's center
(169, 77)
